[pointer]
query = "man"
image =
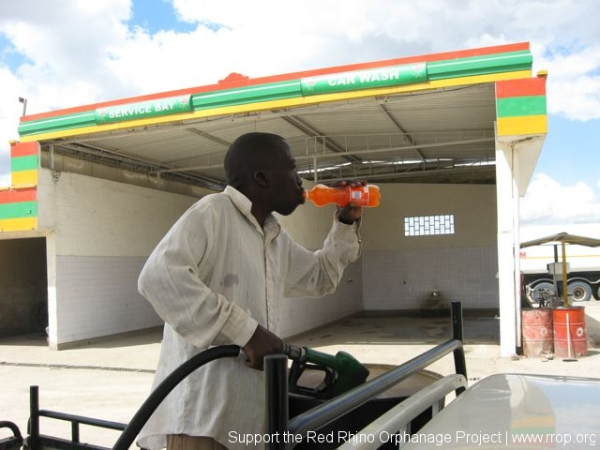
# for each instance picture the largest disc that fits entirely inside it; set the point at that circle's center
(218, 277)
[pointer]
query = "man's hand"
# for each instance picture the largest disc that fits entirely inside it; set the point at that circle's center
(262, 343)
(351, 213)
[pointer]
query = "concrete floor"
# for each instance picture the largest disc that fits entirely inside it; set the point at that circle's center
(111, 378)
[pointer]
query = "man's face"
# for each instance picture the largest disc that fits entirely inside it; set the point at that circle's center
(285, 184)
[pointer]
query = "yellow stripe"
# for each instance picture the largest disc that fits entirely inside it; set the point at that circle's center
(532, 422)
(30, 223)
(284, 103)
(512, 126)
(571, 257)
(24, 178)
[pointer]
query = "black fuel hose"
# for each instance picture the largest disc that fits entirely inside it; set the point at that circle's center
(163, 389)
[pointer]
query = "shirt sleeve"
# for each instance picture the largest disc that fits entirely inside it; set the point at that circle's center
(318, 273)
(170, 282)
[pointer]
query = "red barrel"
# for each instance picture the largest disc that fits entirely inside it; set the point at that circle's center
(536, 325)
(570, 341)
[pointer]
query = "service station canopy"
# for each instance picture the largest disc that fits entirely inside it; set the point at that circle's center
(426, 119)
(563, 238)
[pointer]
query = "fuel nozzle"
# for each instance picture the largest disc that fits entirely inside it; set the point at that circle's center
(342, 371)
(293, 352)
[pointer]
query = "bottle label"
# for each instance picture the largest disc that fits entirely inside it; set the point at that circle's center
(360, 196)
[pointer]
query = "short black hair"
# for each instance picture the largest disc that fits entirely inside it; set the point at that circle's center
(248, 153)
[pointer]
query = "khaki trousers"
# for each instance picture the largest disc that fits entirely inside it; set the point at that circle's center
(185, 442)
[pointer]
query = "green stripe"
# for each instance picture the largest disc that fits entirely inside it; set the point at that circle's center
(66, 122)
(18, 210)
(521, 106)
(144, 110)
(365, 79)
(21, 163)
(250, 94)
(438, 70)
(479, 65)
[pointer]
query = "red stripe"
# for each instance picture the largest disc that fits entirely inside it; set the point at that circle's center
(236, 82)
(23, 149)
(521, 88)
(18, 195)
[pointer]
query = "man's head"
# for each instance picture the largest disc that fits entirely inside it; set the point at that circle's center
(261, 166)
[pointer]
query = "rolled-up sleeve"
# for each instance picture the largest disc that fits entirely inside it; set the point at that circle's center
(170, 281)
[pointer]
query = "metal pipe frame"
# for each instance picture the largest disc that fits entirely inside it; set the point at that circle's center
(326, 413)
(37, 441)
(399, 417)
(14, 442)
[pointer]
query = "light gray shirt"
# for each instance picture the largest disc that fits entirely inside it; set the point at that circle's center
(213, 278)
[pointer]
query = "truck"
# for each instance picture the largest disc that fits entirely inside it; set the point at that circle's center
(541, 277)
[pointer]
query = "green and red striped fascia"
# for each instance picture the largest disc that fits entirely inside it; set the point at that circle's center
(237, 81)
(521, 106)
(24, 157)
(239, 90)
(19, 204)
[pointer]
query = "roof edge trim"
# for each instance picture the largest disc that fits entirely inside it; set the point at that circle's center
(243, 81)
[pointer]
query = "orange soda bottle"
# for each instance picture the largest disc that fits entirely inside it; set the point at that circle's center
(367, 196)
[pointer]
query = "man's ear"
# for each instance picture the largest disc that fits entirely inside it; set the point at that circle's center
(261, 178)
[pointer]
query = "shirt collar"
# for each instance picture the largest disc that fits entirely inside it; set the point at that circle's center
(244, 205)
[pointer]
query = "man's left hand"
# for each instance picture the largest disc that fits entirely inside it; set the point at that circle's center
(350, 213)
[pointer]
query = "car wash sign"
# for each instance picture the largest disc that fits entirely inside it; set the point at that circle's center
(142, 110)
(365, 79)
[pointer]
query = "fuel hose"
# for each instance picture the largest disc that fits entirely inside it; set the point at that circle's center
(163, 389)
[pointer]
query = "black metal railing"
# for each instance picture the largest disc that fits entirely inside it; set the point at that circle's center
(12, 442)
(283, 432)
(277, 398)
(36, 440)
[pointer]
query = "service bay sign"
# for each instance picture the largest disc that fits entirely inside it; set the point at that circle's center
(142, 110)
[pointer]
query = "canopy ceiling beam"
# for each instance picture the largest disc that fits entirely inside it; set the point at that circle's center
(317, 135)
(350, 153)
(425, 173)
(401, 129)
(209, 136)
(101, 155)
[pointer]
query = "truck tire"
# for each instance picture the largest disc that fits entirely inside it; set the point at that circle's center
(580, 291)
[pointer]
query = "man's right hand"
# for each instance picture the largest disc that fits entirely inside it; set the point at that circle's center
(262, 343)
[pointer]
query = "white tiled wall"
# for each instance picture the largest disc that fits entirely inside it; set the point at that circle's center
(98, 297)
(302, 314)
(103, 232)
(403, 280)
(101, 247)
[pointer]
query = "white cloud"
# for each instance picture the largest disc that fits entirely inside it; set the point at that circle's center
(547, 202)
(80, 52)
(573, 83)
(261, 38)
(66, 50)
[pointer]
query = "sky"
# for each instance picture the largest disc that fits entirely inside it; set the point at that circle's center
(65, 53)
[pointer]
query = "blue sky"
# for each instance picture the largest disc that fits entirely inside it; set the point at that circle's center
(570, 151)
(157, 15)
(78, 52)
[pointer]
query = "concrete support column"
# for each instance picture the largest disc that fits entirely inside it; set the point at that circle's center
(52, 298)
(508, 215)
